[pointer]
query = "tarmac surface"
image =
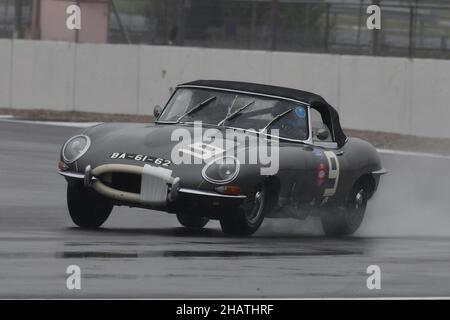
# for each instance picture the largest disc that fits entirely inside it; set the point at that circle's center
(146, 254)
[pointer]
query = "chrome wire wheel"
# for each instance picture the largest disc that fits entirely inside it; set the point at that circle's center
(246, 219)
(356, 209)
(341, 221)
(257, 207)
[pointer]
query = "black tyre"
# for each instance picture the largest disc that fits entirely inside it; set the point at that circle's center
(87, 209)
(345, 221)
(192, 221)
(244, 221)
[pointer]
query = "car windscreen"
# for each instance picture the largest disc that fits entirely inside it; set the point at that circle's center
(239, 110)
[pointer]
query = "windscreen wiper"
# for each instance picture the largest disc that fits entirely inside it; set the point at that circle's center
(236, 113)
(278, 117)
(197, 107)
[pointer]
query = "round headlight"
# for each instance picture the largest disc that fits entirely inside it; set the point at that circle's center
(221, 170)
(227, 168)
(75, 147)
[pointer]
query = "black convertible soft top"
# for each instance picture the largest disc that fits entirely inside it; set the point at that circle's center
(329, 114)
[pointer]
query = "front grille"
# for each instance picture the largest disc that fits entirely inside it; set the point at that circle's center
(147, 186)
(126, 182)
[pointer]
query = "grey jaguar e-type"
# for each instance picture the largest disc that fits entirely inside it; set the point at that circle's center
(316, 170)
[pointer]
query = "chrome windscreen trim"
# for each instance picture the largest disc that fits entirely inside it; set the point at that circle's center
(244, 92)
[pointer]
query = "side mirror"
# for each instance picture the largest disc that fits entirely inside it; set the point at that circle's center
(157, 111)
(322, 134)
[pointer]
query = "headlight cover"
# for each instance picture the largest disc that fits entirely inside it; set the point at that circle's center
(75, 148)
(221, 170)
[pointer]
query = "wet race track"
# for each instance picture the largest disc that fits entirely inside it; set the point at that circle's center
(145, 254)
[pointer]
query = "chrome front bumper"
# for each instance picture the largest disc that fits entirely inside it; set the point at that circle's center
(158, 187)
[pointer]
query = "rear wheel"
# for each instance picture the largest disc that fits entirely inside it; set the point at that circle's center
(192, 221)
(345, 221)
(244, 221)
(87, 209)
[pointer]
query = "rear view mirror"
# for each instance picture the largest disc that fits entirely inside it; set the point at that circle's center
(322, 134)
(157, 111)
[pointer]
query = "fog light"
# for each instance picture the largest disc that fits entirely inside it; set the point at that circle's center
(231, 190)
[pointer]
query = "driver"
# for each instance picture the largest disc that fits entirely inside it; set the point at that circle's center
(293, 124)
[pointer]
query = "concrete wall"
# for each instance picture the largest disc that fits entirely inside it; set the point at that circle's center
(384, 94)
(42, 75)
(5, 72)
(106, 78)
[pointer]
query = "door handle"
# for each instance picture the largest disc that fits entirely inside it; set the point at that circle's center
(339, 153)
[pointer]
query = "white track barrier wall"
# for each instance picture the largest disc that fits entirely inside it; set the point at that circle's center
(375, 93)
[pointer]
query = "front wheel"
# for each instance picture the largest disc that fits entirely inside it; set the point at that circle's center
(345, 221)
(244, 221)
(87, 209)
(192, 221)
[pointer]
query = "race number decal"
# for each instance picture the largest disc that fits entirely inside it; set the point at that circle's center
(333, 172)
(202, 150)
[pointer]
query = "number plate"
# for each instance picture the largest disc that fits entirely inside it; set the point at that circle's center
(141, 158)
